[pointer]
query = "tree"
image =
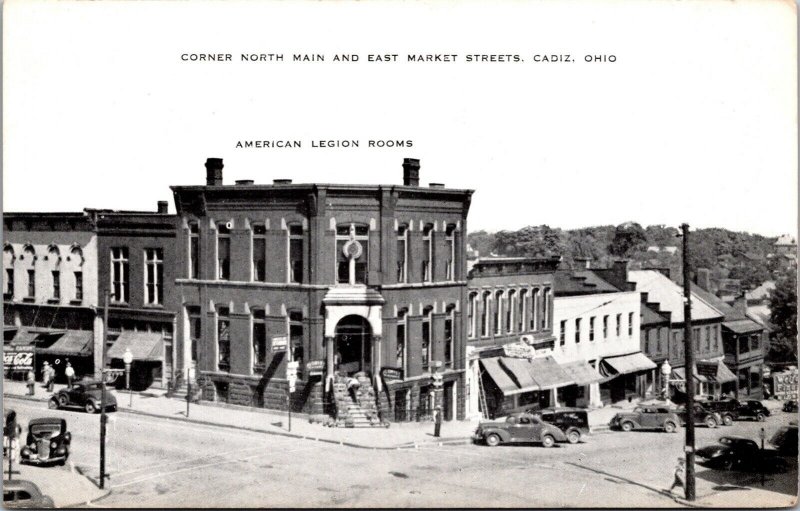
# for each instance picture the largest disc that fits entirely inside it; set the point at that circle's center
(783, 315)
(628, 237)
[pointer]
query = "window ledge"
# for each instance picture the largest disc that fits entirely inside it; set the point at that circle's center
(29, 299)
(153, 306)
(119, 304)
(76, 302)
(53, 300)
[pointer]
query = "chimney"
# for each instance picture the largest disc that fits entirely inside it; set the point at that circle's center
(583, 262)
(278, 182)
(214, 171)
(245, 182)
(410, 172)
(702, 277)
(163, 207)
(436, 185)
(740, 304)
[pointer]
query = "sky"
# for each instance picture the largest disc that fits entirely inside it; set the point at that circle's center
(694, 121)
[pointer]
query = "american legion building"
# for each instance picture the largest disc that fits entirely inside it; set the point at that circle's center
(357, 302)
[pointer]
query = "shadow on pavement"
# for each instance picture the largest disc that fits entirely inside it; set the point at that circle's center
(617, 478)
(727, 480)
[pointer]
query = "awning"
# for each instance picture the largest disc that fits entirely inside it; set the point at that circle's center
(549, 374)
(626, 364)
(581, 372)
(520, 371)
(74, 342)
(679, 373)
(519, 375)
(143, 345)
(715, 372)
(24, 338)
(498, 375)
(742, 326)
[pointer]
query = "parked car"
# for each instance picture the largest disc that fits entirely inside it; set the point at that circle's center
(84, 394)
(785, 440)
(20, 494)
(574, 422)
(646, 417)
(702, 416)
(790, 406)
(48, 442)
(519, 428)
(728, 409)
(739, 453)
(752, 409)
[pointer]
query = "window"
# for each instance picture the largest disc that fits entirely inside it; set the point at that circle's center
(223, 251)
(605, 327)
(296, 338)
(450, 238)
(545, 308)
(510, 308)
(427, 340)
(352, 253)
(754, 342)
(577, 330)
(716, 337)
(485, 305)
(296, 254)
(498, 313)
(400, 352)
(427, 253)
(562, 334)
(31, 284)
(743, 380)
(523, 307)
(259, 253)
(402, 254)
(472, 309)
(119, 274)
(195, 328)
(154, 276)
(194, 251)
(619, 325)
(591, 328)
(755, 378)
(223, 339)
(744, 344)
(8, 291)
(78, 285)
(535, 310)
(696, 339)
(56, 284)
(259, 340)
(708, 338)
(659, 345)
(630, 324)
(449, 321)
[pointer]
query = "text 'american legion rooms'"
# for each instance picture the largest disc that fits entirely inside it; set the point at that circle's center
(389, 58)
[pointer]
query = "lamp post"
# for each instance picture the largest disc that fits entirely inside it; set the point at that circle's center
(127, 357)
(666, 370)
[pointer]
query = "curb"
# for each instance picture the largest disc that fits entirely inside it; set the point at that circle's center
(405, 445)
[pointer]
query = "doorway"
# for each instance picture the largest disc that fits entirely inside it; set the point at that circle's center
(353, 346)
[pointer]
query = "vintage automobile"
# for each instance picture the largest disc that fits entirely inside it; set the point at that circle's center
(790, 406)
(785, 440)
(646, 417)
(752, 409)
(702, 416)
(574, 422)
(20, 494)
(739, 453)
(84, 394)
(47, 443)
(518, 428)
(728, 409)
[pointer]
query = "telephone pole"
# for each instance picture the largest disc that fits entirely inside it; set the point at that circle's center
(103, 395)
(689, 366)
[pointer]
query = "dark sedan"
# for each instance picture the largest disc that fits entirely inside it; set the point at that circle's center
(739, 453)
(19, 494)
(85, 394)
(48, 442)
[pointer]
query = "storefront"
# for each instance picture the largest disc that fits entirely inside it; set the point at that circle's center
(621, 376)
(147, 349)
(712, 378)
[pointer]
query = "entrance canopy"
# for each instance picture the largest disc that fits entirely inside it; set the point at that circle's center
(146, 346)
(707, 372)
(520, 375)
(626, 364)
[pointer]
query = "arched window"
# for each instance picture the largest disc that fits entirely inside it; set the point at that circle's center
(523, 308)
(259, 340)
(535, 310)
(29, 258)
(223, 251)
(76, 259)
(450, 238)
(485, 315)
(498, 312)
(194, 250)
(427, 253)
(402, 253)
(402, 332)
(510, 310)
(449, 322)
(546, 306)
(296, 338)
(352, 253)
(427, 337)
(54, 262)
(223, 339)
(259, 253)
(295, 254)
(8, 268)
(472, 314)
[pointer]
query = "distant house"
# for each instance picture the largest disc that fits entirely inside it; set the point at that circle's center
(760, 294)
(786, 244)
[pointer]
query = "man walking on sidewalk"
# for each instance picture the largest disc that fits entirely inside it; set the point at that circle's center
(680, 475)
(69, 372)
(437, 421)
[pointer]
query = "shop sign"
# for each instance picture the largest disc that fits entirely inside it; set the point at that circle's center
(315, 367)
(785, 384)
(391, 373)
(17, 358)
(519, 350)
(279, 343)
(707, 370)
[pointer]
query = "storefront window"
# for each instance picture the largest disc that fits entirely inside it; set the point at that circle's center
(259, 341)
(223, 339)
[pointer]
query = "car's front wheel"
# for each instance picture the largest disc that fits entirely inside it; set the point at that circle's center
(90, 407)
(493, 440)
(63, 401)
(627, 426)
(727, 420)
(760, 417)
(669, 427)
(711, 422)
(548, 441)
(574, 437)
(52, 404)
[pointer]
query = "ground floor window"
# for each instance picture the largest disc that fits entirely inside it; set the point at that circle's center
(402, 405)
(425, 406)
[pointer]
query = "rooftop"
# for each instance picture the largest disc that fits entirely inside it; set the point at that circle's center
(669, 296)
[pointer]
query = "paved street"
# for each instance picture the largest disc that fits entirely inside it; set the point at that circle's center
(160, 463)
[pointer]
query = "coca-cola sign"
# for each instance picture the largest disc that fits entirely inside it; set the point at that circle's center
(17, 358)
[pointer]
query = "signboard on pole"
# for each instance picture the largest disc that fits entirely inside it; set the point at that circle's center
(279, 343)
(785, 384)
(391, 374)
(315, 367)
(17, 358)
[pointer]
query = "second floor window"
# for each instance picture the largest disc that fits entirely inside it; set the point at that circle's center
(659, 345)
(296, 253)
(119, 275)
(545, 320)
(8, 292)
(619, 325)
(78, 285)
(259, 253)
(56, 284)
(562, 334)
(498, 313)
(523, 307)
(31, 284)
(194, 251)
(472, 314)
(402, 254)
(154, 276)
(195, 329)
(352, 253)
(512, 305)
(427, 338)
(708, 338)
(630, 324)
(259, 341)
(591, 328)
(577, 330)
(485, 316)
(605, 327)
(427, 253)
(223, 339)
(534, 320)
(450, 238)
(449, 321)
(400, 352)
(223, 251)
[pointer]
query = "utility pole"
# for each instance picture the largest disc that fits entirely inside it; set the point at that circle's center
(103, 395)
(689, 367)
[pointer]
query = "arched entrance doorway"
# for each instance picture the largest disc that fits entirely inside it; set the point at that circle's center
(353, 341)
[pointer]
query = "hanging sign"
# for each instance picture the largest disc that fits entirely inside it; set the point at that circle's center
(391, 373)
(279, 343)
(315, 367)
(17, 358)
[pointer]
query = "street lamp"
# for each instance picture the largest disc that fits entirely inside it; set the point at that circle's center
(666, 370)
(127, 357)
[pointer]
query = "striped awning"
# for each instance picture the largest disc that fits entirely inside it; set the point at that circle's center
(73, 342)
(499, 376)
(581, 372)
(626, 364)
(519, 375)
(146, 346)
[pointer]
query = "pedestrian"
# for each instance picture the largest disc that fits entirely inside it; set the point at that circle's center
(680, 475)
(352, 387)
(51, 380)
(437, 421)
(46, 375)
(69, 372)
(30, 379)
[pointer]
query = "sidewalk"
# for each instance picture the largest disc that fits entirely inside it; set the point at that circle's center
(153, 402)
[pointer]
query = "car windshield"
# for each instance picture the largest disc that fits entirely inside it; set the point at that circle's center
(45, 430)
(736, 441)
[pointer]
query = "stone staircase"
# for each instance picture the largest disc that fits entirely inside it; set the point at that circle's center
(361, 412)
(179, 388)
